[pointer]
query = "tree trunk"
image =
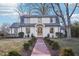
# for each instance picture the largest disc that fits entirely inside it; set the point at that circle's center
(68, 29)
(68, 32)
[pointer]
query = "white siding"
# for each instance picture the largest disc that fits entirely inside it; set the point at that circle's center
(33, 20)
(26, 20)
(56, 29)
(45, 20)
(33, 31)
(19, 29)
(54, 20)
(45, 31)
(24, 30)
(12, 30)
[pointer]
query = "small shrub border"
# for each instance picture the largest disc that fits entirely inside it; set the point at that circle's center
(13, 53)
(53, 45)
(66, 52)
(28, 47)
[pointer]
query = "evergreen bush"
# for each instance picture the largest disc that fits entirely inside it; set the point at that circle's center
(21, 34)
(55, 46)
(66, 52)
(13, 53)
(26, 46)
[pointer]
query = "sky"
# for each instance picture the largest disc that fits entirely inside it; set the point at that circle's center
(9, 15)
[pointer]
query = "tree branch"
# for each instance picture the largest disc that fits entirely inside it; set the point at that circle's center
(67, 10)
(60, 10)
(62, 16)
(73, 10)
(54, 10)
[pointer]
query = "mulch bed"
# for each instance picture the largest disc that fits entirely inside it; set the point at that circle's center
(52, 51)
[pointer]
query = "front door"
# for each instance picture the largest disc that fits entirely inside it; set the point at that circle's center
(39, 31)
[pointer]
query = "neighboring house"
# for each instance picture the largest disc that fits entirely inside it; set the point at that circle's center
(39, 26)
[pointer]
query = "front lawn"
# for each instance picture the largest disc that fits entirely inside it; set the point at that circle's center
(7, 45)
(74, 44)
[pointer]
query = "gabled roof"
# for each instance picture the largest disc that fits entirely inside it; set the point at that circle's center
(26, 25)
(15, 25)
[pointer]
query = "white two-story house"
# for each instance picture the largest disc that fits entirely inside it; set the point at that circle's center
(39, 26)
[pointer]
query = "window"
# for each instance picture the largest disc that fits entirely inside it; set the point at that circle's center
(39, 20)
(51, 30)
(53, 20)
(27, 30)
(15, 30)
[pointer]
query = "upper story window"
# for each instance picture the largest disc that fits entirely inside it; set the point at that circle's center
(53, 20)
(39, 20)
(26, 20)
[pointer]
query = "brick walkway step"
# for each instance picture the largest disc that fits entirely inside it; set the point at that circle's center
(40, 48)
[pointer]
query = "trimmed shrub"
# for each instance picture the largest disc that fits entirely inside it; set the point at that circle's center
(26, 46)
(21, 34)
(33, 38)
(66, 52)
(51, 42)
(30, 42)
(13, 53)
(48, 40)
(55, 46)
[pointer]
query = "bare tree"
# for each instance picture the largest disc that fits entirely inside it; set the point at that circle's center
(56, 7)
(39, 9)
(5, 28)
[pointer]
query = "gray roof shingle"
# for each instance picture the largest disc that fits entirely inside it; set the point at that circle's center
(14, 25)
(26, 25)
(17, 25)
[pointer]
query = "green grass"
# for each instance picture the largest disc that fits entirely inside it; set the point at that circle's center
(74, 44)
(7, 45)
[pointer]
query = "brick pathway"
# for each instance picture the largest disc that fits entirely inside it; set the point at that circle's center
(40, 48)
